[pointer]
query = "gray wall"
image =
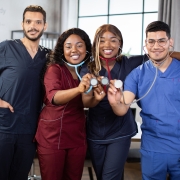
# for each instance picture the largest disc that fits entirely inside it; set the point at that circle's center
(11, 15)
(69, 14)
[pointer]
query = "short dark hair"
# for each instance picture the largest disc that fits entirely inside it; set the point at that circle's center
(35, 8)
(158, 26)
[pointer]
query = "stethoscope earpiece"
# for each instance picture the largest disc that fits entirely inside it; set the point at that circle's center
(105, 81)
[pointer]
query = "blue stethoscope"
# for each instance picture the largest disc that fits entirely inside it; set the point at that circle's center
(76, 69)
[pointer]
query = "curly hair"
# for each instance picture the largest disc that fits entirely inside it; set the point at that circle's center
(55, 56)
(95, 66)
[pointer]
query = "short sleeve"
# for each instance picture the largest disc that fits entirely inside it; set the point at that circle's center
(131, 82)
(53, 81)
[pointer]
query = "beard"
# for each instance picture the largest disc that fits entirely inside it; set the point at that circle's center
(35, 38)
(159, 59)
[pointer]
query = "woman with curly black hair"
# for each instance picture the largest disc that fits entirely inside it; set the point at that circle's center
(61, 137)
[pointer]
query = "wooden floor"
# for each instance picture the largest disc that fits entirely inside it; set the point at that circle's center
(132, 171)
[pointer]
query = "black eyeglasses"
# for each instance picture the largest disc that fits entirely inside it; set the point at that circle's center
(161, 42)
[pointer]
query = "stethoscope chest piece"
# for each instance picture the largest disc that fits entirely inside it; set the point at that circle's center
(93, 82)
(104, 81)
(118, 84)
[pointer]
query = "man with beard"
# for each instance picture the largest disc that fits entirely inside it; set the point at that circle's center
(156, 83)
(21, 63)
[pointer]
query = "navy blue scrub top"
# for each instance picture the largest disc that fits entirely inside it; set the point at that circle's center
(103, 126)
(20, 85)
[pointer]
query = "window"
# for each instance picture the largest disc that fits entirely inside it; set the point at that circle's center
(130, 16)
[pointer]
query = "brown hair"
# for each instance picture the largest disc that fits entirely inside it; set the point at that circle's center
(35, 8)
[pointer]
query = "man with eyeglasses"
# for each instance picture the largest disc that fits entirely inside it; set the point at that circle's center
(159, 79)
(21, 63)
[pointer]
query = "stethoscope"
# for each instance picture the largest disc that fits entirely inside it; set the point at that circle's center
(104, 80)
(76, 69)
(155, 77)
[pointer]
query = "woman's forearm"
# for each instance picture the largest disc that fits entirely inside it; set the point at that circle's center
(175, 54)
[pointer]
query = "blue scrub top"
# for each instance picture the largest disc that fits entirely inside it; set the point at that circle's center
(103, 126)
(160, 108)
(20, 85)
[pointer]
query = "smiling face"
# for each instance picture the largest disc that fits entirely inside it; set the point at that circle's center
(33, 25)
(74, 49)
(109, 45)
(159, 50)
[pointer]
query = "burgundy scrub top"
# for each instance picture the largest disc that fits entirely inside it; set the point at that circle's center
(62, 126)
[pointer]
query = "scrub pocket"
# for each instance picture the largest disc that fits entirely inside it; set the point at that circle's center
(146, 162)
(6, 118)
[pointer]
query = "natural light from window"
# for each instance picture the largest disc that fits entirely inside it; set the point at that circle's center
(130, 16)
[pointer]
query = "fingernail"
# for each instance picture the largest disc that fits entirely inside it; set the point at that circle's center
(101, 92)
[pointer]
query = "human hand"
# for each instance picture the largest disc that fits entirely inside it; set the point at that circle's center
(4, 104)
(99, 93)
(114, 94)
(85, 83)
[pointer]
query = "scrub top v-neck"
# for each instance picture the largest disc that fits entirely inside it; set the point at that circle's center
(20, 85)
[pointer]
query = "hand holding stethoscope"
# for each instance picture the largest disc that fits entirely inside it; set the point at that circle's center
(84, 84)
(98, 89)
(115, 91)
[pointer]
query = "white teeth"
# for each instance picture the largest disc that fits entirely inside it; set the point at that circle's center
(107, 51)
(75, 57)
